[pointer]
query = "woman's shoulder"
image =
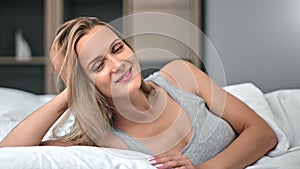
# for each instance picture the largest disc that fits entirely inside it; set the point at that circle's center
(182, 74)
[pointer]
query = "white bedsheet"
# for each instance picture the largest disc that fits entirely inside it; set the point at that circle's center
(280, 109)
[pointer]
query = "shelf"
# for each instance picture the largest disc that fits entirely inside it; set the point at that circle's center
(9, 60)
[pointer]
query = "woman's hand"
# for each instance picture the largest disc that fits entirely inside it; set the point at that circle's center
(171, 160)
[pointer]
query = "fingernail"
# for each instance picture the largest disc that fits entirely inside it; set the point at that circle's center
(152, 161)
(151, 158)
(158, 165)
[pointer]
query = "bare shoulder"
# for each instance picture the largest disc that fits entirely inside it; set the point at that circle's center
(183, 75)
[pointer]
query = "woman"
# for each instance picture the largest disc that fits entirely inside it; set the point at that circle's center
(182, 121)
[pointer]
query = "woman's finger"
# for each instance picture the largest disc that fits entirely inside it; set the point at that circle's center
(174, 160)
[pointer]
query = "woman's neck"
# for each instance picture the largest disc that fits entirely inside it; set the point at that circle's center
(139, 106)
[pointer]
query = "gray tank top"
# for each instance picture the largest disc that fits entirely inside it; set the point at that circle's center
(211, 134)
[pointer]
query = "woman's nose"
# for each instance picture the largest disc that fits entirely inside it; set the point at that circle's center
(115, 62)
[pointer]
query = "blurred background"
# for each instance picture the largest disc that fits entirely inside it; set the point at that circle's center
(255, 40)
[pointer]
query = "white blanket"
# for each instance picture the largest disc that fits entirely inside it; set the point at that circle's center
(280, 109)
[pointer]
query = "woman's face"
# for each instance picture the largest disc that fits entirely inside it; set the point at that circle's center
(108, 62)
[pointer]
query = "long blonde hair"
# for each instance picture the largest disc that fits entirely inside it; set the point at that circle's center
(93, 115)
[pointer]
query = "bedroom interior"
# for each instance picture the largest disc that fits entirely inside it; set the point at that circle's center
(252, 51)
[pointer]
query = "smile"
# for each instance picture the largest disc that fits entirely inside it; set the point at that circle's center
(125, 77)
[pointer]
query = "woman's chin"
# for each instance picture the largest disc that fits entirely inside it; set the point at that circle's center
(134, 84)
(124, 89)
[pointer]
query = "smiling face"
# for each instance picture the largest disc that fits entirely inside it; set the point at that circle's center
(108, 62)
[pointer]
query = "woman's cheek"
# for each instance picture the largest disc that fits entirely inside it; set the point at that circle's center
(103, 83)
(136, 82)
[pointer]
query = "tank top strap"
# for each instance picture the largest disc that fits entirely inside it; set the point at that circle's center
(191, 103)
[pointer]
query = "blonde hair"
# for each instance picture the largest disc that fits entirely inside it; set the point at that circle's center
(93, 115)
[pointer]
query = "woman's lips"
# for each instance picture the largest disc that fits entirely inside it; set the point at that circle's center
(125, 77)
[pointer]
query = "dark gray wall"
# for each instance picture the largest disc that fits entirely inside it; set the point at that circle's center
(258, 41)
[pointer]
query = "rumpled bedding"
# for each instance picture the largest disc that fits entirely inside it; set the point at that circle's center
(280, 109)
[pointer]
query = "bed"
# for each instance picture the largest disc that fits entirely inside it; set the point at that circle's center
(280, 108)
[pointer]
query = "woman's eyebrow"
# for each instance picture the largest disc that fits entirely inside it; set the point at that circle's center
(113, 42)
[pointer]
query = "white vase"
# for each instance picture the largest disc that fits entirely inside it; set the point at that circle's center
(22, 48)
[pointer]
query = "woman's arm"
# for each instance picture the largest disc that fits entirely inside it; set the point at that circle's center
(32, 129)
(255, 138)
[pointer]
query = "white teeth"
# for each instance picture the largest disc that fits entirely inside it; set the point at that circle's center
(124, 76)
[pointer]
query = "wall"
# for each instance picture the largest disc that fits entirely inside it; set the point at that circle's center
(163, 34)
(257, 41)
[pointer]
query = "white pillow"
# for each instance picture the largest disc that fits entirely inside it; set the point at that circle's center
(254, 98)
(74, 157)
(16, 104)
(285, 105)
(6, 127)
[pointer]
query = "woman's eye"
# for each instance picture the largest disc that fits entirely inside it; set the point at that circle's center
(98, 66)
(117, 48)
